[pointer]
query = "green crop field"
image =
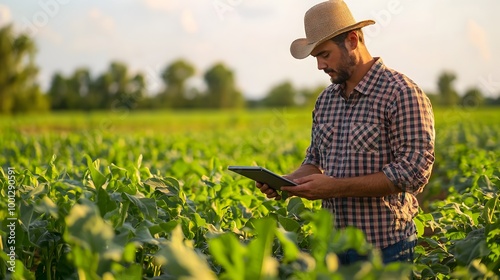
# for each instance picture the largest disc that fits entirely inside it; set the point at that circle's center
(140, 195)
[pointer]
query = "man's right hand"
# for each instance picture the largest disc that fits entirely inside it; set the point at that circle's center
(303, 170)
(268, 191)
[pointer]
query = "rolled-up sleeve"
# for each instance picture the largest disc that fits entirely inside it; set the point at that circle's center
(412, 137)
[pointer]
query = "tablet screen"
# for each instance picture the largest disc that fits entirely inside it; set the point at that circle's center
(262, 175)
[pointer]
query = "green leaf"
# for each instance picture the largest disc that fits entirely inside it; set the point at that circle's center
(39, 190)
(27, 215)
(491, 210)
(46, 205)
(322, 226)
(51, 172)
(129, 252)
(472, 247)
(261, 264)
(139, 161)
(22, 272)
(87, 229)
(49, 239)
(439, 268)
(420, 227)
(97, 177)
(133, 272)
(143, 235)
(199, 221)
(147, 206)
(295, 206)
(181, 261)
(164, 228)
(169, 186)
(290, 250)
(104, 202)
(118, 172)
(289, 224)
(230, 254)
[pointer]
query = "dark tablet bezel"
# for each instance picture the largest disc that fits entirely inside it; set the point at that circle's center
(262, 175)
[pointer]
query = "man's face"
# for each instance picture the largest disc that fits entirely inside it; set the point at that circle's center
(334, 60)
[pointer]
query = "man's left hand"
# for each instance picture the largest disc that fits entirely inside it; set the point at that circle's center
(316, 186)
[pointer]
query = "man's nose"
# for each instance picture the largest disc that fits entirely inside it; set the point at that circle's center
(321, 64)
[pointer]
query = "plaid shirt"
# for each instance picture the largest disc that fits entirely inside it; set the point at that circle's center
(386, 125)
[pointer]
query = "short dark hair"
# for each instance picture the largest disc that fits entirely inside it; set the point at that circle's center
(340, 39)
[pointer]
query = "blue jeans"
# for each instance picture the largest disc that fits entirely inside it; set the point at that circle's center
(398, 252)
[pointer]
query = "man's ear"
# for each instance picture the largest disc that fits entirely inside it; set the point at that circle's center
(352, 40)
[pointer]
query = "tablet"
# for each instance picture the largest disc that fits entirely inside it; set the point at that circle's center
(262, 175)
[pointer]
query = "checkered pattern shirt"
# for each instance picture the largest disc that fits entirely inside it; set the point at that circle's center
(387, 125)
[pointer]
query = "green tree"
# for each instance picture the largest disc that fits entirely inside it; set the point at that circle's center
(281, 95)
(116, 89)
(175, 94)
(137, 90)
(309, 95)
(98, 96)
(473, 97)
(434, 98)
(19, 91)
(492, 101)
(70, 93)
(80, 84)
(58, 92)
(447, 93)
(221, 88)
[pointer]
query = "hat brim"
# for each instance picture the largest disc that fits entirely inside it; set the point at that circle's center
(302, 48)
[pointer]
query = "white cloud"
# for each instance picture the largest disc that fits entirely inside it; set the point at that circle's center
(5, 15)
(478, 37)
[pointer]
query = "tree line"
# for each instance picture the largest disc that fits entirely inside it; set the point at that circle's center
(118, 88)
(448, 96)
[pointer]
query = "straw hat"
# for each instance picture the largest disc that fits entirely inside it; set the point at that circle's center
(322, 22)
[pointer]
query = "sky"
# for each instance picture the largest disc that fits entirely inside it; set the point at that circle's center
(252, 37)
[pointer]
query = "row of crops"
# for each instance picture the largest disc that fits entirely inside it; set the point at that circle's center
(146, 201)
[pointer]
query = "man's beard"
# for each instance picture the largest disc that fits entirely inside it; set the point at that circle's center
(345, 69)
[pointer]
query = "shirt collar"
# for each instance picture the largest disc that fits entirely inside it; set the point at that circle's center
(365, 86)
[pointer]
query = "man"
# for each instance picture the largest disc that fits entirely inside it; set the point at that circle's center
(372, 140)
